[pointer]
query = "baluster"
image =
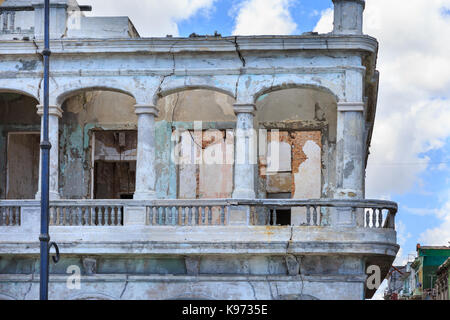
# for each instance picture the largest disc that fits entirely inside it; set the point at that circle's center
(274, 217)
(374, 218)
(62, 216)
(85, 215)
(93, 214)
(174, 211)
(10, 214)
(210, 215)
(2, 216)
(17, 216)
(315, 215)
(183, 215)
(190, 216)
(222, 215)
(168, 215)
(197, 215)
(149, 215)
(120, 215)
(159, 209)
(203, 209)
(80, 216)
(380, 218)
(367, 219)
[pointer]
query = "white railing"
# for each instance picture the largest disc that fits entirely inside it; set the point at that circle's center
(200, 212)
(9, 215)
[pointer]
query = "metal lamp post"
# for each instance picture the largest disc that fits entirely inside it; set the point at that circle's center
(44, 237)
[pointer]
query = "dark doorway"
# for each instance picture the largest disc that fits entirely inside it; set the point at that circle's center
(282, 217)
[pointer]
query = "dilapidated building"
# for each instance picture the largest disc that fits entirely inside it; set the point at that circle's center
(183, 165)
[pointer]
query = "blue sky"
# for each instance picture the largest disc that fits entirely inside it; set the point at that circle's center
(306, 14)
(410, 153)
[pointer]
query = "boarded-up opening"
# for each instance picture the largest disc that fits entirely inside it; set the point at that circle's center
(293, 168)
(22, 165)
(205, 168)
(114, 156)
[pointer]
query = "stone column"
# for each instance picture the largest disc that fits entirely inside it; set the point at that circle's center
(54, 113)
(350, 150)
(245, 152)
(350, 156)
(348, 16)
(145, 166)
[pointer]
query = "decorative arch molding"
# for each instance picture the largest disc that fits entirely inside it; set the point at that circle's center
(19, 91)
(282, 87)
(73, 92)
(251, 87)
(219, 83)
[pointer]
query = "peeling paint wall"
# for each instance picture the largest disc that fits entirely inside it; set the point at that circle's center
(17, 114)
(175, 123)
(294, 111)
(83, 114)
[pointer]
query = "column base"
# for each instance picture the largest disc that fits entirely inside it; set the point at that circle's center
(244, 194)
(52, 195)
(140, 195)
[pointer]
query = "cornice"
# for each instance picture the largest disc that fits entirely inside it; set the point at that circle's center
(326, 42)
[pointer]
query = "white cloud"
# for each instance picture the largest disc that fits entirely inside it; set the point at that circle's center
(325, 24)
(440, 235)
(152, 18)
(413, 112)
(262, 17)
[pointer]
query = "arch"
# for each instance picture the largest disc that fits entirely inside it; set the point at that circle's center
(284, 86)
(21, 92)
(164, 93)
(70, 93)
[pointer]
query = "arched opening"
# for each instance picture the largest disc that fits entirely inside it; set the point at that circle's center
(297, 147)
(98, 145)
(19, 146)
(201, 126)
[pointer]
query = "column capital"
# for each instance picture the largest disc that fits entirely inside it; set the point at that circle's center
(351, 106)
(361, 2)
(52, 110)
(146, 109)
(244, 108)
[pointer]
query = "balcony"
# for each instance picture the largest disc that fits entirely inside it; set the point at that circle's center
(209, 226)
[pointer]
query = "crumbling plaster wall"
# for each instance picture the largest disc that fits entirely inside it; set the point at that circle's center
(301, 109)
(296, 109)
(83, 113)
(17, 114)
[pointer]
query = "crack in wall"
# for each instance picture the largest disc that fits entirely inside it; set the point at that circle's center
(163, 78)
(125, 287)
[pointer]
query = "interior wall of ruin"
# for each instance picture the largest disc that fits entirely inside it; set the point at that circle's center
(18, 114)
(84, 114)
(306, 120)
(201, 122)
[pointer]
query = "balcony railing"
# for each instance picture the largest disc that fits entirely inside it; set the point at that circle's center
(373, 214)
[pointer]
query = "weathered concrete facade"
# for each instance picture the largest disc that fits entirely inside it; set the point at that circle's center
(183, 164)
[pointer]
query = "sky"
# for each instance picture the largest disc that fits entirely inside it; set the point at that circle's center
(409, 161)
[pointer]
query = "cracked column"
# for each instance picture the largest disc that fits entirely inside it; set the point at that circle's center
(348, 16)
(145, 165)
(54, 114)
(245, 152)
(350, 150)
